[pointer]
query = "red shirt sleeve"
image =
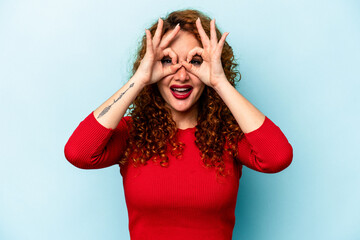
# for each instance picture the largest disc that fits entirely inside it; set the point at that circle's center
(265, 149)
(93, 146)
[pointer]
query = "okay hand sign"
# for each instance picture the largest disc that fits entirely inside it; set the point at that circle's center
(210, 71)
(151, 68)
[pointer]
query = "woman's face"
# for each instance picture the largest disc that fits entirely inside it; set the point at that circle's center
(182, 90)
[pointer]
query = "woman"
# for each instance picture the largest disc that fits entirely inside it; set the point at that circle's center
(189, 132)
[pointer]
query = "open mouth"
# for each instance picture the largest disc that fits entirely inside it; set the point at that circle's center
(181, 92)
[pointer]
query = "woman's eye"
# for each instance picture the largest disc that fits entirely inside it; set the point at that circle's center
(166, 61)
(196, 62)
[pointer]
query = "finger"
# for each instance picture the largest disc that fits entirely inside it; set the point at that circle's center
(204, 38)
(221, 43)
(166, 41)
(171, 69)
(157, 35)
(172, 54)
(149, 47)
(213, 37)
(189, 67)
(195, 51)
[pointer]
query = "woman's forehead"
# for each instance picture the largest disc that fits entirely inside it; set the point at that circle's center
(183, 41)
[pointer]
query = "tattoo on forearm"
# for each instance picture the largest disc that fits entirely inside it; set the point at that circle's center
(103, 112)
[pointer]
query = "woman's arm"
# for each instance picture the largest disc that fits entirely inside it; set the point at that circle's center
(266, 149)
(100, 139)
(112, 110)
(247, 115)
(93, 146)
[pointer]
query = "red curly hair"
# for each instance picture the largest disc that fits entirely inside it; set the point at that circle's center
(152, 123)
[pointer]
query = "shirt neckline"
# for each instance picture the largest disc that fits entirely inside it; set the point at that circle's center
(187, 129)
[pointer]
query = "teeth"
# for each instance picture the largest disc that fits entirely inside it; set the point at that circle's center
(181, 89)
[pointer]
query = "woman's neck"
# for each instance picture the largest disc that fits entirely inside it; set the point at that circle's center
(186, 119)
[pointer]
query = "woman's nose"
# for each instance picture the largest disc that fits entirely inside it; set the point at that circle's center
(181, 74)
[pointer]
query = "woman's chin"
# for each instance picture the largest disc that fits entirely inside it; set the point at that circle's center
(183, 107)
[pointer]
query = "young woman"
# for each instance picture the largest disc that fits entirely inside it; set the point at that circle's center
(188, 134)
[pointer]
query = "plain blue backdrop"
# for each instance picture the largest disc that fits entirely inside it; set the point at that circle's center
(60, 60)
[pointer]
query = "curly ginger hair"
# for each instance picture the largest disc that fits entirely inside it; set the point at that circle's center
(152, 124)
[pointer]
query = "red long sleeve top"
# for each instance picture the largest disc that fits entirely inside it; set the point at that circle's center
(184, 200)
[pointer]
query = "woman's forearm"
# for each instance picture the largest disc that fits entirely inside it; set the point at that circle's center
(247, 115)
(112, 110)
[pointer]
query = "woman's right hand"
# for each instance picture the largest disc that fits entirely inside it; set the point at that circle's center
(152, 69)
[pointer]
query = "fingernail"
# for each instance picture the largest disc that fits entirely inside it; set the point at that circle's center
(177, 24)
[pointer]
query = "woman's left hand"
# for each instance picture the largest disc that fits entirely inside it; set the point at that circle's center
(210, 71)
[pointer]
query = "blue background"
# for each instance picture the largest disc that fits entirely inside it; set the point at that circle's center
(60, 60)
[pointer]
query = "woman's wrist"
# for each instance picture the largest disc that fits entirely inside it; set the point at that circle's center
(221, 85)
(138, 80)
